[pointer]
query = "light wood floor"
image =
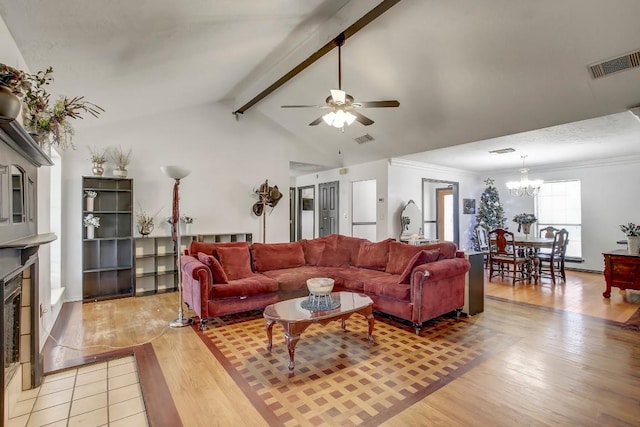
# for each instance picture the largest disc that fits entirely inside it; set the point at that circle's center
(569, 364)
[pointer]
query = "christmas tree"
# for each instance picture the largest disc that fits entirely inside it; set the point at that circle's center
(490, 213)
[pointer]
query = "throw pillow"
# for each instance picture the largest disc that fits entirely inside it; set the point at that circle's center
(423, 257)
(217, 272)
(351, 245)
(235, 262)
(313, 251)
(399, 256)
(373, 255)
(273, 256)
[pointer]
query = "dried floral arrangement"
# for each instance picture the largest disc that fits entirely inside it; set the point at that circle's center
(97, 155)
(120, 158)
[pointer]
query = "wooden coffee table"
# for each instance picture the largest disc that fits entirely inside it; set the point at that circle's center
(295, 319)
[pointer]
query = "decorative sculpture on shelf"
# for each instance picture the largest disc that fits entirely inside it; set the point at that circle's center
(267, 196)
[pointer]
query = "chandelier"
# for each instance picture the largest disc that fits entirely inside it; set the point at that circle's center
(524, 187)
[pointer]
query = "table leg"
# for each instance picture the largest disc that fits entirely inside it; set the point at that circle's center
(371, 321)
(292, 340)
(344, 324)
(269, 329)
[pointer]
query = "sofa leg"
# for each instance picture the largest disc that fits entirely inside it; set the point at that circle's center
(417, 327)
(203, 324)
(458, 312)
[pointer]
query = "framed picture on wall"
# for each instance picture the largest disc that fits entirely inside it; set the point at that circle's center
(468, 206)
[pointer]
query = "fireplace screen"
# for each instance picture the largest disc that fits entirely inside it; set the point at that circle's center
(12, 291)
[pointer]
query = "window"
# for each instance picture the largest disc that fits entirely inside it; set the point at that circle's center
(558, 205)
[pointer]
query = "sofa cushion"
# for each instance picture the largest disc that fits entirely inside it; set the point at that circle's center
(353, 278)
(209, 248)
(373, 255)
(388, 287)
(447, 249)
(423, 257)
(351, 245)
(235, 262)
(217, 272)
(273, 256)
(254, 284)
(399, 256)
(334, 255)
(293, 279)
(312, 250)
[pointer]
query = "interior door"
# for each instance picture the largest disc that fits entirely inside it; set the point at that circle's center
(328, 209)
(444, 218)
(306, 212)
(292, 214)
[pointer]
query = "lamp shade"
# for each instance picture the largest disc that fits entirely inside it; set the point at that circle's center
(175, 172)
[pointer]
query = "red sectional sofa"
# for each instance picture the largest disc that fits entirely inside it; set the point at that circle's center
(415, 283)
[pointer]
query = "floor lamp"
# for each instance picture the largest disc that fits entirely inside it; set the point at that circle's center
(177, 173)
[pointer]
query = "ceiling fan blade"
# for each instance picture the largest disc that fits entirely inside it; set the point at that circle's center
(376, 104)
(316, 121)
(299, 106)
(362, 118)
(338, 96)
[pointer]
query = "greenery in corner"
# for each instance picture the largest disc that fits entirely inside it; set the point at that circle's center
(40, 117)
(630, 229)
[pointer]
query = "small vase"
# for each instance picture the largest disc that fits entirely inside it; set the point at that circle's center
(91, 232)
(526, 229)
(89, 204)
(97, 169)
(145, 230)
(633, 245)
(9, 103)
(120, 172)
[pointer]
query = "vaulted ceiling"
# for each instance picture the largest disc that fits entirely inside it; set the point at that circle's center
(463, 70)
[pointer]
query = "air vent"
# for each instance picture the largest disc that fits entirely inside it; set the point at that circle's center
(502, 151)
(611, 66)
(363, 139)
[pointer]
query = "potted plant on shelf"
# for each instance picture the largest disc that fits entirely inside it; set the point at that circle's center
(13, 84)
(632, 231)
(91, 222)
(90, 196)
(121, 160)
(524, 221)
(145, 223)
(98, 158)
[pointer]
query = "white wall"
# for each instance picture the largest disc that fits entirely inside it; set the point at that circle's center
(228, 160)
(373, 170)
(405, 183)
(609, 198)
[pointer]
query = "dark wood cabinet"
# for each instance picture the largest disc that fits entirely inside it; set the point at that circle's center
(621, 270)
(107, 259)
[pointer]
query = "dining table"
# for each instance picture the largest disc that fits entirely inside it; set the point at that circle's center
(530, 247)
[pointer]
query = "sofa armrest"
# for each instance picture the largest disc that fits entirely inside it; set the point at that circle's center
(442, 269)
(196, 284)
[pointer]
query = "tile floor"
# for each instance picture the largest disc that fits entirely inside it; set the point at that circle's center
(101, 394)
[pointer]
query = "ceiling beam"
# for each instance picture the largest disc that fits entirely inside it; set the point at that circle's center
(350, 31)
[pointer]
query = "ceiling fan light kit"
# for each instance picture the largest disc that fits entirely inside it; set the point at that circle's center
(341, 104)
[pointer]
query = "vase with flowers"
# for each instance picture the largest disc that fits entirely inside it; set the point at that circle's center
(524, 221)
(145, 223)
(121, 160)
(632, 231)
(13, 84)
(98, 157)
(91, 222)
(90, 196)
(48, 123)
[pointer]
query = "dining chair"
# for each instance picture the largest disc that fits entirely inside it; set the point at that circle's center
(483, 243)
(503, 253)
(551, 264)
(548, 232)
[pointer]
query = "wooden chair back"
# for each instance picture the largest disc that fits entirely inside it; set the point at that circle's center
(548, 232)
(482, 238)
(502, 243)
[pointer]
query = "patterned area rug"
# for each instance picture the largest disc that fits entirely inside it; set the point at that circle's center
(339, 379)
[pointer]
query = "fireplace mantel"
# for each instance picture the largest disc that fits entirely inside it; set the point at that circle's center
(14, 135)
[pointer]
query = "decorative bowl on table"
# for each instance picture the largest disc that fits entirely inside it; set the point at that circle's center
(320, 286)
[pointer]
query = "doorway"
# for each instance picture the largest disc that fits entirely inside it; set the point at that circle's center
(328, 210)
(440, 210)
(292, 214)
(306, 212)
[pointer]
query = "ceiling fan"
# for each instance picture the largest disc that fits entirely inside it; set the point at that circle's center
(341, 105)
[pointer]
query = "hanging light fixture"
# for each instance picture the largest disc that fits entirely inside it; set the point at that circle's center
(524, 187)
